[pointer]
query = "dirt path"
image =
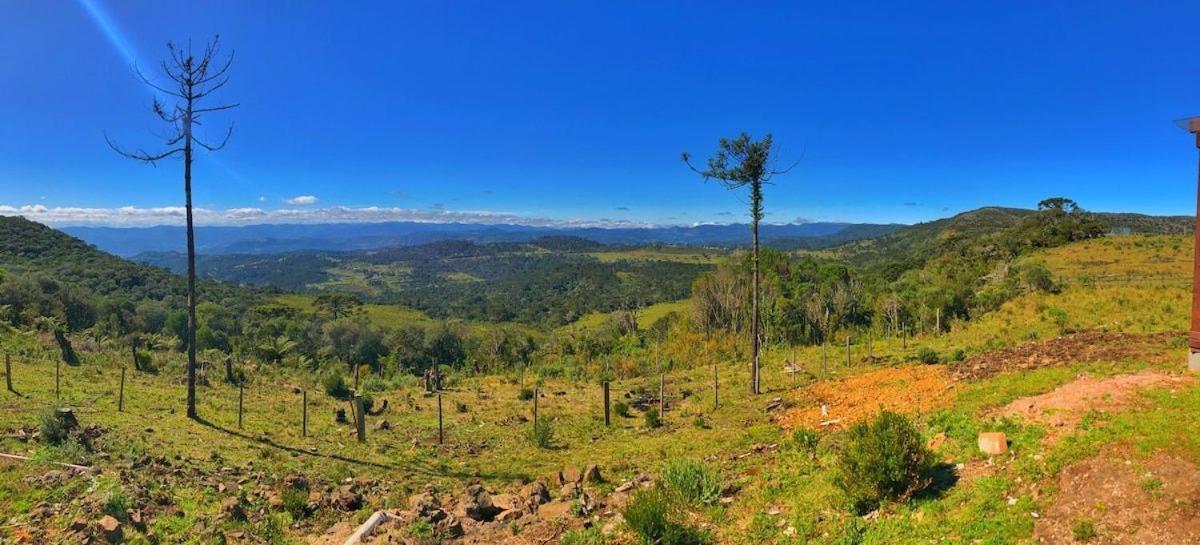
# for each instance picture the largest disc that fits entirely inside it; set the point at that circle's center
(1061, 410)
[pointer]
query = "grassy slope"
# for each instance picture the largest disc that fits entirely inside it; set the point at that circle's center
(1122, 295)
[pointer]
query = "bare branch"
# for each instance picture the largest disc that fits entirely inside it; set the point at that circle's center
(141, 155)
(155, 85)
(224, 141)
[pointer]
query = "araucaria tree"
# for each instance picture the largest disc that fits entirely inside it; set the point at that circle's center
(189, 82)
(745, 162)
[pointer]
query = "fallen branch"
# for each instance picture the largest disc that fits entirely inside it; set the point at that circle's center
(367, 528)
(26, 459)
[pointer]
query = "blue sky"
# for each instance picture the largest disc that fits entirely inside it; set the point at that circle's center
(577, 111)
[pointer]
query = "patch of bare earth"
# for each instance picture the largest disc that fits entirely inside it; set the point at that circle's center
(909, 390)
(1154, 501)
(1084, 347)
(1059, 411)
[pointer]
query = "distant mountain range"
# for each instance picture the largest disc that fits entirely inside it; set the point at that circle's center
(270, 239)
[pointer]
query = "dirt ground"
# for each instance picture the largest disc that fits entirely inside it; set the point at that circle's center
(1124, 500)
(1085, 347)
(1062, 409)
(909, 390)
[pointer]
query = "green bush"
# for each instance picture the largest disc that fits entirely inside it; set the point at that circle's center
(116, 504)
(622, 409)
(648, 514)
(53, 430)
(652, 419)
(1083, 530)
(525, 394)
(689, 482)
(958, 355)
(884, 459)
(295, 502)
(541, 434)
(336, 386)
(926, 354)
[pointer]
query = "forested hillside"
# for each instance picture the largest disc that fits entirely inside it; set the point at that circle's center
(546, 282)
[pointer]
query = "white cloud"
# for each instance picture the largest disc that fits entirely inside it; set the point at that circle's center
(131, 216)
(302, 200)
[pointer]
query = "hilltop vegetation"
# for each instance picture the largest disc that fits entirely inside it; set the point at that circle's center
(771, 486)
(547, 282)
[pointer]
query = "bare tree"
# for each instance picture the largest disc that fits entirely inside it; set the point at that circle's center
(190, 80)
(745, 162)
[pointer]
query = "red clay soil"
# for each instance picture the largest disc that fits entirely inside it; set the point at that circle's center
(909, 390)
(1061, 410)
(1085, 347)
(1127, 501)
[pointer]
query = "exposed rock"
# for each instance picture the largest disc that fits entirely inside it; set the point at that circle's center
(233, 509)
(571, 475)
(477, 504)
(535, 493)
(346, 499)
(554, 510)
(569, 491)
(296, 482)
(509, 515)
(424, 505)
(591, 474)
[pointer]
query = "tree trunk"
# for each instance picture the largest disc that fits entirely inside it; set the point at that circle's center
(754, 325)
(191, 264)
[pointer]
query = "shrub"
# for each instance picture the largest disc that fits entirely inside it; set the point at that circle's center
(336, 386)
(653, 420)
(689, 482)
(295, 502)
(53, 430)
(958, 355)
(1083, 530)
(806, 440)
(590, 536)
(648, 515)
(926, 354)
(622, 409)
(116, 504)
(541, 434)
(525, 394)
(883, 460)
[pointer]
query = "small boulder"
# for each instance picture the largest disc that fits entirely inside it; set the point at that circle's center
(993, 443)
(535, 493)
(477, 504)
(509, 515)
(591, 474)
(572, 475)
(569, 491)
(346, 499)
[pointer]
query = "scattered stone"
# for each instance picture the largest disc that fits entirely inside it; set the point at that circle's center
(569, 491)
(477, 505)
(233, 509)
(346, 499)
(535, 493)
(571, 475)
(591, 474)
(993, 443)
(624, 487)
(509, 515)
(554, 510)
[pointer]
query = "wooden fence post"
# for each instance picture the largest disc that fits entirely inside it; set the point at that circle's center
(441, 436)
(121, 392)
(607, 417)
(535, 402)
(241, 395)
(304, 413)
(361, 420)
(662, 398)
